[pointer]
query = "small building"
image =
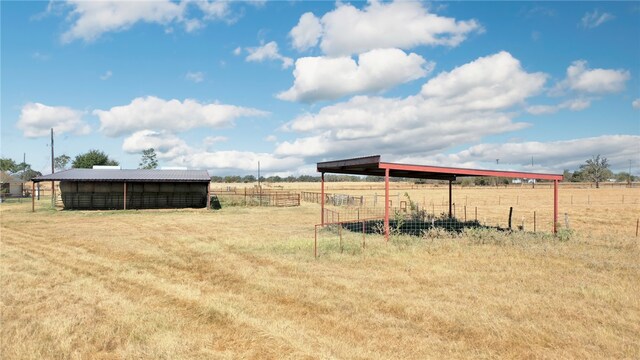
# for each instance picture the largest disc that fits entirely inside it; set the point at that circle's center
(11, 185)
(105, 189)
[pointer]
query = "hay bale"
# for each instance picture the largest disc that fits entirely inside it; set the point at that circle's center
(135, 187)
(85, 187)
(181, 188)
(167, 187)
(69, 186)
(151, 187)
(102, 187)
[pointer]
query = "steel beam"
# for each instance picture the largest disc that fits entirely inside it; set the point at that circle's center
(386, 204)
(450, 198)
(555, 206)
(322, 199)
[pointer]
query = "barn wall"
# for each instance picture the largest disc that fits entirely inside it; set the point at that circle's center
(109, 195)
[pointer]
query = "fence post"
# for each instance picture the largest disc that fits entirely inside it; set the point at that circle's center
(476, 218)
(534, 221)
(510, 213)
(465, 213)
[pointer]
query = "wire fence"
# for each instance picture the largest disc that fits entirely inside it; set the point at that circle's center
(231, 196)
(435, 198)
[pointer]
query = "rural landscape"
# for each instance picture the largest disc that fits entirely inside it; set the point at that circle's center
(242, 282)
(348, 179)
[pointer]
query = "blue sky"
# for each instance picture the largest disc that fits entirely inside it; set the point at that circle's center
(223, 85)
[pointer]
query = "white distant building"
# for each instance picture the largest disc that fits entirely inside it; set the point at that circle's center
(107, 167)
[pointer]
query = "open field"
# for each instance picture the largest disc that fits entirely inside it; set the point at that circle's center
(243, 283)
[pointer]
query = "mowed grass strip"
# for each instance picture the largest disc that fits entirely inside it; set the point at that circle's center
(243, 283)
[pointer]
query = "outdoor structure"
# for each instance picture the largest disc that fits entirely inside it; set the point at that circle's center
(371, 165)
(131, 189)
(10, 185)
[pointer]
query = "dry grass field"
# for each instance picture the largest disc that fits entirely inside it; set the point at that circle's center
(243, 283)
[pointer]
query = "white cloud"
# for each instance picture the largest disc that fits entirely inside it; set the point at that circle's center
(106, 75)
(214, 10)
(40, 56)
(268, 51)
(594, 19)
(305, 35)
(573, 105)
(175, 151)
(237, 51)
(37, 119)
(463, 105)
(173, 115)
(271, 138)
(348, 30)
(91, 19)
(196, 77)
(212, 140)
(492, 82)
(165, 144)
(326, 78)
(581, 78)
(553, 155)
(238, 161)
(636, 103)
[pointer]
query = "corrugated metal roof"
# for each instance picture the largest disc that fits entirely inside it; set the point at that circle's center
(371, 165)
(129, 175)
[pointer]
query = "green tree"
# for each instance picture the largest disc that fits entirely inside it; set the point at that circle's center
(91, 158)
(28, 174)
(149, 159)
(61, 162)
(624, 176)
(596, 170)
(7, 164)
(249, 179)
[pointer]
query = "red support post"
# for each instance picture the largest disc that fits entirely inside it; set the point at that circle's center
(450, 213)
(322, 199)
(555, 206)
(386, 204)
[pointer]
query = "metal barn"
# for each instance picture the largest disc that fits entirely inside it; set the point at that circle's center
(104, 189)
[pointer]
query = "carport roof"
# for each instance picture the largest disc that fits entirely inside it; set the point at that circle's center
(371, 165)
(128, 175)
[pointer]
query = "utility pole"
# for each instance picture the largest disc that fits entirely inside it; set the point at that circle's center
(53, 183)
(629, 172)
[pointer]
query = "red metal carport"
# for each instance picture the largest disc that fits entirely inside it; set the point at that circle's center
(371, 165)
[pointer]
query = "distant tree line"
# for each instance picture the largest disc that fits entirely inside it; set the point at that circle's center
(594, 170)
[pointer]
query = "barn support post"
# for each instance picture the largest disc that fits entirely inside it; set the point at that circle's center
(555, 206)
(209, 195)
(450, 213)
(53, 194)
(33, 196)
(386, 204)
(125, 196)
(322, 199)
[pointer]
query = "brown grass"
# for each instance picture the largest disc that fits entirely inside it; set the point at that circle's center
(242, 283)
